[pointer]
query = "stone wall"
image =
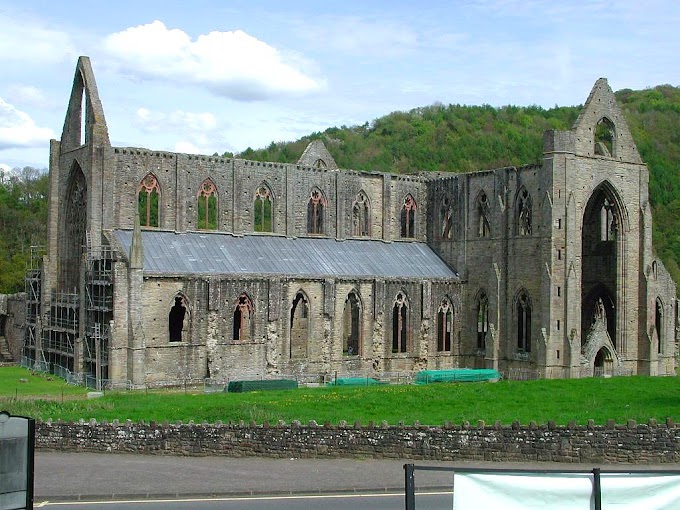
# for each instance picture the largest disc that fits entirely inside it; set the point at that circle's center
(12, 323)
(650, 443)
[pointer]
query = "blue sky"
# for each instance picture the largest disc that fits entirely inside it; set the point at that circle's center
(211, 76)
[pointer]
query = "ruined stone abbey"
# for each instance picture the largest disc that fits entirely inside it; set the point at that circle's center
(163, 266)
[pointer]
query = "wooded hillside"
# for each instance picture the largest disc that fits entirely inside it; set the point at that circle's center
(432, 138)
(459, 138)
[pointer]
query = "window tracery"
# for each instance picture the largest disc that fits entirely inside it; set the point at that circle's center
(148, 201)
(263, 220)
(207, 206)
(400, 324)
(315, 212)
(408, 212)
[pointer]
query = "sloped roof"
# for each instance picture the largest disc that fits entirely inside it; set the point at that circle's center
(223, 254)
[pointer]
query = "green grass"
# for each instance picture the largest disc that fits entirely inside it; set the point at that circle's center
(21, 382)
(620, 399)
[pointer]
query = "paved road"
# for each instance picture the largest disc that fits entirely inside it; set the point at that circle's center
(74, 476)
(438, 501)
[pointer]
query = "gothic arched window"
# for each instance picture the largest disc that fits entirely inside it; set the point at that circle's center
(482, 320)
(444, 326)
(400, 324)
(243, 318)
(523, 308)
(408, 214)
(446, 218)
(299, 326)
(658, 323)
(483, 211)
(315, 209)
(524, 213)
(148, 201)
(207, 206)
(605, 138)
(176, 319)
(351, 325)
(361, 216)
(262, 210)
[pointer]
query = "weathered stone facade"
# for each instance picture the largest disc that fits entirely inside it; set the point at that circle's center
(549, 268)
(12, 326)
(631, 443)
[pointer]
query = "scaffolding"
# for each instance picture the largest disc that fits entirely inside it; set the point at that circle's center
(99, 313)
(33, 287)
(61, 331)
(53, 340)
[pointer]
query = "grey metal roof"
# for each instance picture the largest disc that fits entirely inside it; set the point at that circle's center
(219, 253)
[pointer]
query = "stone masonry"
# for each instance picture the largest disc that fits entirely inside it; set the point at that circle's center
(548, 269)
(631, 443)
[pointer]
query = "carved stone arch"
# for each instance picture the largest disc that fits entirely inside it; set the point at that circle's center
(263, 208)
(316, 211)
(149, 200)
(243, 323)
(207, 207)
(179, 318)
(523, 212)
(610, 191)
(482, 215)
(361, 215)
(74, 227)
(407, 217)
(604, 228)
(85, 122)
(300, 325)
(352, 324)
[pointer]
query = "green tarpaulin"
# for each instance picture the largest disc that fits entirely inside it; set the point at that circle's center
(457, 375)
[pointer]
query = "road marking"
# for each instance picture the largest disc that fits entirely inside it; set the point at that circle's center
(237, 498)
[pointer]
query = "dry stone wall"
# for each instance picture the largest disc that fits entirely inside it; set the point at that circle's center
(650, 443)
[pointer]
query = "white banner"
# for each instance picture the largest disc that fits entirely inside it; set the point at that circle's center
(565, 491)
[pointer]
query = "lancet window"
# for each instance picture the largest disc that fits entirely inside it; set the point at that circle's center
(400, 324)
(243, 318)
(315, 212)
(207, 206)
(262, 210)
(148, 201)
(408, 214)
(361, 216)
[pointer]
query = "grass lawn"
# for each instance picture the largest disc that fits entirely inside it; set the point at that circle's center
(620, 399)
(20, 382)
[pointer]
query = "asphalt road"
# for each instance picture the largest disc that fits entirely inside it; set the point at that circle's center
(79, 476)
(430, 501)
(61, 477)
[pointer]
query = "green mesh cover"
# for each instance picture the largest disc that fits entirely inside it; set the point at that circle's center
(355, 381)
(457, 375)
(269, 384)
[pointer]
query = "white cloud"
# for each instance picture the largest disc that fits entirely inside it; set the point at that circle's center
(25, 40)
(17, 129)
(199, 131)
(28, 95)
(231, 64)
(154, 122)
(358, 36)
